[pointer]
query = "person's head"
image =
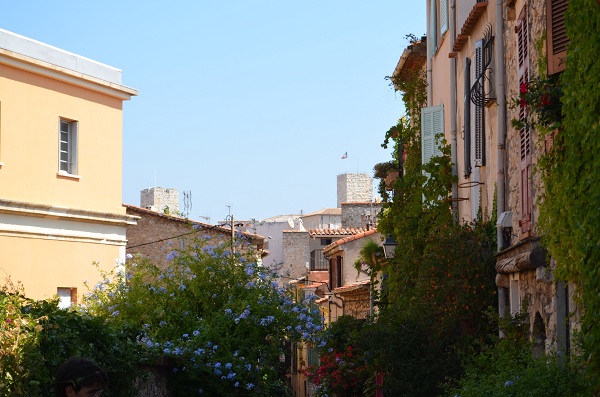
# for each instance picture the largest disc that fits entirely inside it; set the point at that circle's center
(80, 377)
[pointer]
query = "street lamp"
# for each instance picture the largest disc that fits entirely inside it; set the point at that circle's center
(389, 247)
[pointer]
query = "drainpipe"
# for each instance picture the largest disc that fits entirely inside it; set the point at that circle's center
(501, 127)
(453, 142)
(429, 56)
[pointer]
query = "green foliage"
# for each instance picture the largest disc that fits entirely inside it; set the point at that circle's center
(220, 317)
(37, 336)
(506, 368)
(436, 289)
(569, 215)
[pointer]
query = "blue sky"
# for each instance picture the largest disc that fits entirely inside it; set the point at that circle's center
(248, 104)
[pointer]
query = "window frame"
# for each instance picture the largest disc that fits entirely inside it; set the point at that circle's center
(68, 166)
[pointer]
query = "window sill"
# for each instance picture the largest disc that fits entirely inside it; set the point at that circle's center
(65, 175)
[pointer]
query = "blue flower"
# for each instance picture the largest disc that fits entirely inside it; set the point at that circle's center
(250, 386)
(196, 333)
(182, 287)
(228, 365)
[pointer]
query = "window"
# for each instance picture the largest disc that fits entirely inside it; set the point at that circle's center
(67, 151)
(67, 297)
(557, 35)
(438, 23)
(524, 133)
(325, 241)
(479, 107)
(317, 260)
(433, 28)
(515, 297)
(467, 120)
(443, 16)
(432, 125)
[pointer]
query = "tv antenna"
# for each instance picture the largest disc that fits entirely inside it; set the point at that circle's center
(187, 202)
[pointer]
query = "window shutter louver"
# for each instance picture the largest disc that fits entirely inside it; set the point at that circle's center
(467, 120)
(479, 120)
(443, 16)
(524, 132)
(432, 124)
(557, 35)
(432, 28)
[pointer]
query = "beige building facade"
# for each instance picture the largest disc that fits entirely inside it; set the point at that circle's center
(60, 168)
(479, 53)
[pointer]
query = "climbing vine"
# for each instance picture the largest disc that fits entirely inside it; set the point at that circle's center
(569, 216)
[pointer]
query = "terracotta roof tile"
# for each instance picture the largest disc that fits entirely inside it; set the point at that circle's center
(345, 240)
(352, 287)
(336, 232)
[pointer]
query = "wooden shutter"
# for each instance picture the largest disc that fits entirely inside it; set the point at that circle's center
(433, 28)
(479, 108)
(467, 120)
(557, 39)
(432, 123)
(443, 16)
(524, 132)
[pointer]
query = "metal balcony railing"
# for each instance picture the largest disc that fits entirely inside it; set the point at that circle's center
(318, 261)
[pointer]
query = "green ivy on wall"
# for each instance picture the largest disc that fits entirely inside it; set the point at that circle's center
(570, 206)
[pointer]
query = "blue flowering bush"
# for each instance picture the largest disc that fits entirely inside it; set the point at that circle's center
(222, 318)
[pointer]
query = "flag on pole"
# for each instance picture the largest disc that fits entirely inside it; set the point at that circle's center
(345, 156)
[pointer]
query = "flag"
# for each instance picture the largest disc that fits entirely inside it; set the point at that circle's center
(345, 156)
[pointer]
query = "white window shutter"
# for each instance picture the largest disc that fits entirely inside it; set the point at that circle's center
(433, 28)
(432, 123)
(443, 16)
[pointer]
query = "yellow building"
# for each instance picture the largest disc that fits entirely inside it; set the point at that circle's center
(60, 168)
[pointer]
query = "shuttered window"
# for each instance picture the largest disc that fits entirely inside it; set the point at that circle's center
(443, 16)
(467, 120)
(433, 28)
(557, 39)
(524, 133)
(479, 108)
(432, 124)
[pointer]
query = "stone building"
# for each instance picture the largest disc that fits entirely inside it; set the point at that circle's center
(354, 187)
(156, 234)
(160, 199)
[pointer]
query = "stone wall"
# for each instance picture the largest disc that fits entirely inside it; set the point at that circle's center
(157, 199)
(352, 188)
(295, 254)
(358, 215)
(536, 19)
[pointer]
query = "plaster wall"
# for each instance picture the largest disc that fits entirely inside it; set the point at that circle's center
(44, 264)
(476, 191)
(31, 106)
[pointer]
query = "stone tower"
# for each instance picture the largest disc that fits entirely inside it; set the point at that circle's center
(354, 188)
(160, 200)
